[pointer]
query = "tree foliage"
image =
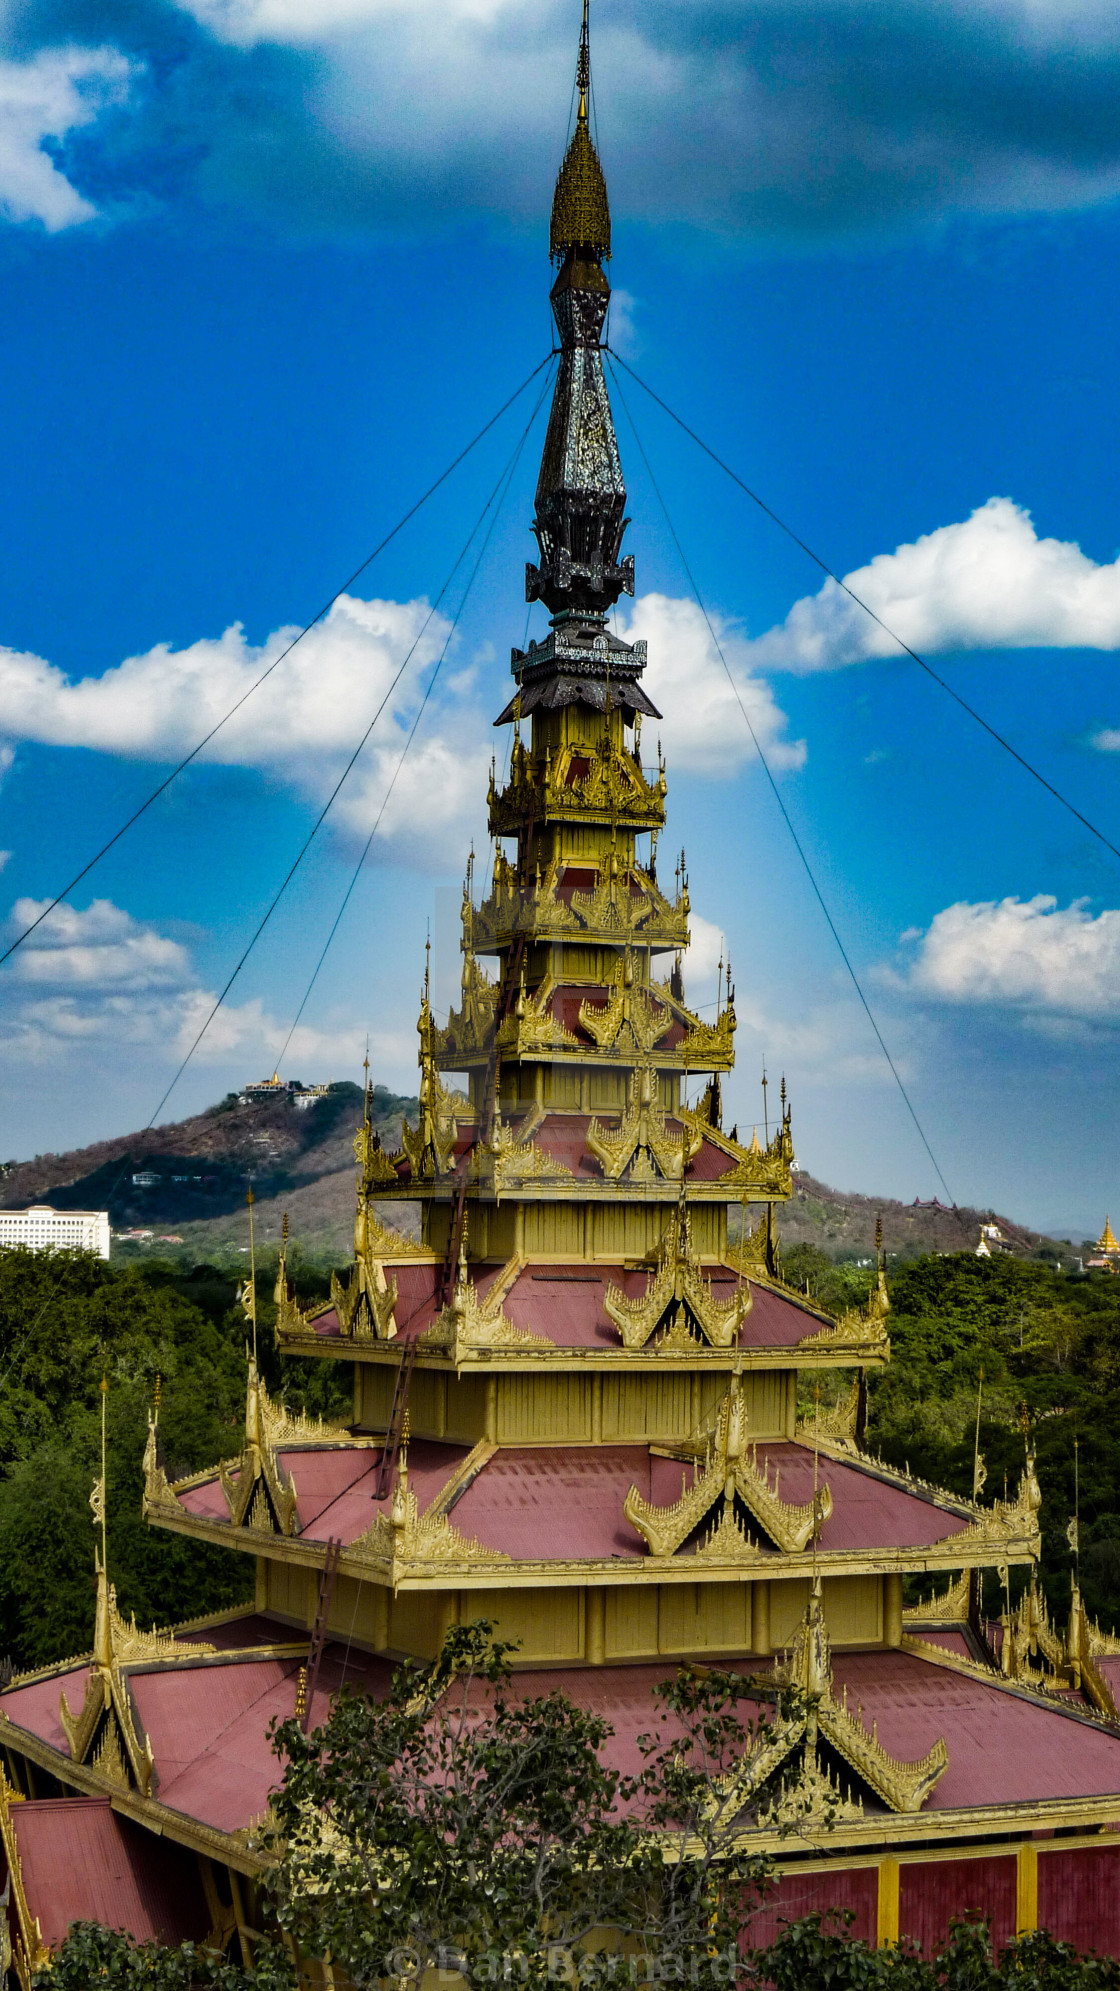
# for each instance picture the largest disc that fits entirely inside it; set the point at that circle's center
(464, 1823)
(809, 1954)
(1046, 1341)
(66, 1318)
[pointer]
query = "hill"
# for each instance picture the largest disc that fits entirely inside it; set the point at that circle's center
(298, 1161)
(842, 1224)
(302, 1162)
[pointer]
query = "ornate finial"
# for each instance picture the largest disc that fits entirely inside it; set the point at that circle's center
(581, 215)
(249, 1198)
(284, 1232)
(428, 969)
(157, 1395)
(878, 1234)
(301, 1695)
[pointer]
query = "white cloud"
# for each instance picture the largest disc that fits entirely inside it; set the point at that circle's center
(305, 720)
(1024, 953)
(704, 725)
(101, 948)
(56, 92)
(986, 583)
(302, 724)
(96, 976)
(700, 961)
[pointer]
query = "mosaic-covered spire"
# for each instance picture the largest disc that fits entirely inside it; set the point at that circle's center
(581, 497)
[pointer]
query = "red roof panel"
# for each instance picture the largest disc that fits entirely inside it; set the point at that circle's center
(335, 1486)
(82, 1862)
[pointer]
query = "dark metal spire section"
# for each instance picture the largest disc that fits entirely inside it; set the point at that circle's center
(581, 498)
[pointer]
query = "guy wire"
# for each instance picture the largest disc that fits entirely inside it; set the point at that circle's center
(255, 686)
(777, 794)
(508, 476)
(825, 569)
(18, 1350)
(328, 804)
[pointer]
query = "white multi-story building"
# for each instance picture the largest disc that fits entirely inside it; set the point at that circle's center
(42, 1229)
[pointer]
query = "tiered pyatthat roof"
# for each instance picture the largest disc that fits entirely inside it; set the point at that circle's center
(576, 1405)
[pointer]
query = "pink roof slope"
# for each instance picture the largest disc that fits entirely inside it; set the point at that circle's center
(82, 1862)
(544, 1502)
(565, 1304)
(208, 1723)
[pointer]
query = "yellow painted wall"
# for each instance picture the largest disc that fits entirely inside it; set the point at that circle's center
(704, 1617)
(292, 1593)
(556, 1406)
(438, 1406)
(549, 1623)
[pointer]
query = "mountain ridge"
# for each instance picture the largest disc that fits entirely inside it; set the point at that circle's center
(301, 1163)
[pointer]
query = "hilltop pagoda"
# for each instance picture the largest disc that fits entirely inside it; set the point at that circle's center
(585, 1402)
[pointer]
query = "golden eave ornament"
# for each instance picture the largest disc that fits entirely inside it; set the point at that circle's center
(812, 1795)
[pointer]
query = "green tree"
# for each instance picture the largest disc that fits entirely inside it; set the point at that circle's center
(462, 1819)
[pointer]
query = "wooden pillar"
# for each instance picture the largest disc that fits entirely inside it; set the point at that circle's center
(886, 1914)
(260, 1594)
(760, 1617)
(1026, 1888)
(596, 1410)
(595, 1627)
(892, 1609)
(491, 1432)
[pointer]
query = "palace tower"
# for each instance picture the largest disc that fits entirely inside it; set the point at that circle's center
(584, 1401)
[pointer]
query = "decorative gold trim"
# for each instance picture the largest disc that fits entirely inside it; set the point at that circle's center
(29, 1953)
(808, 1714)
(104, 1731)
(469, 1323)
(641, 1141)
(628, 1020)
(678, 1296)
(510, 1160)
(431, 1148)
(405, 1538)
(837, 1428)
(730, 1472)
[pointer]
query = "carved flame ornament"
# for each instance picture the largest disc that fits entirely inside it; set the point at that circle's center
(808, 1715)
(104, 1733)
(678, 1300)
(729, 1480)
(642, 1142)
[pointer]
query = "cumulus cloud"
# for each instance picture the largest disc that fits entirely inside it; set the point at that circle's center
(988, 582)
(1029, 954)
(96, 976)
(58, 91)
(814, 119)
(302, 724)
(100, 948)
(704, 724)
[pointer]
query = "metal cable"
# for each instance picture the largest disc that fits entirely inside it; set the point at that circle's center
(308, 626)
(508, 478)
(493, 501)
(998, 737)
(777, 794)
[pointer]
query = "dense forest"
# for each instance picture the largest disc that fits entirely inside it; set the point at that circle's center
(1048, 1343)
(66, 1319)
(1045, 1340)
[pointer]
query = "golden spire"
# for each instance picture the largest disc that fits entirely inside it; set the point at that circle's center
(581, 215)
(1106, 1241)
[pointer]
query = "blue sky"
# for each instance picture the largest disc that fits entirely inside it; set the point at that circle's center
(268, 263)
